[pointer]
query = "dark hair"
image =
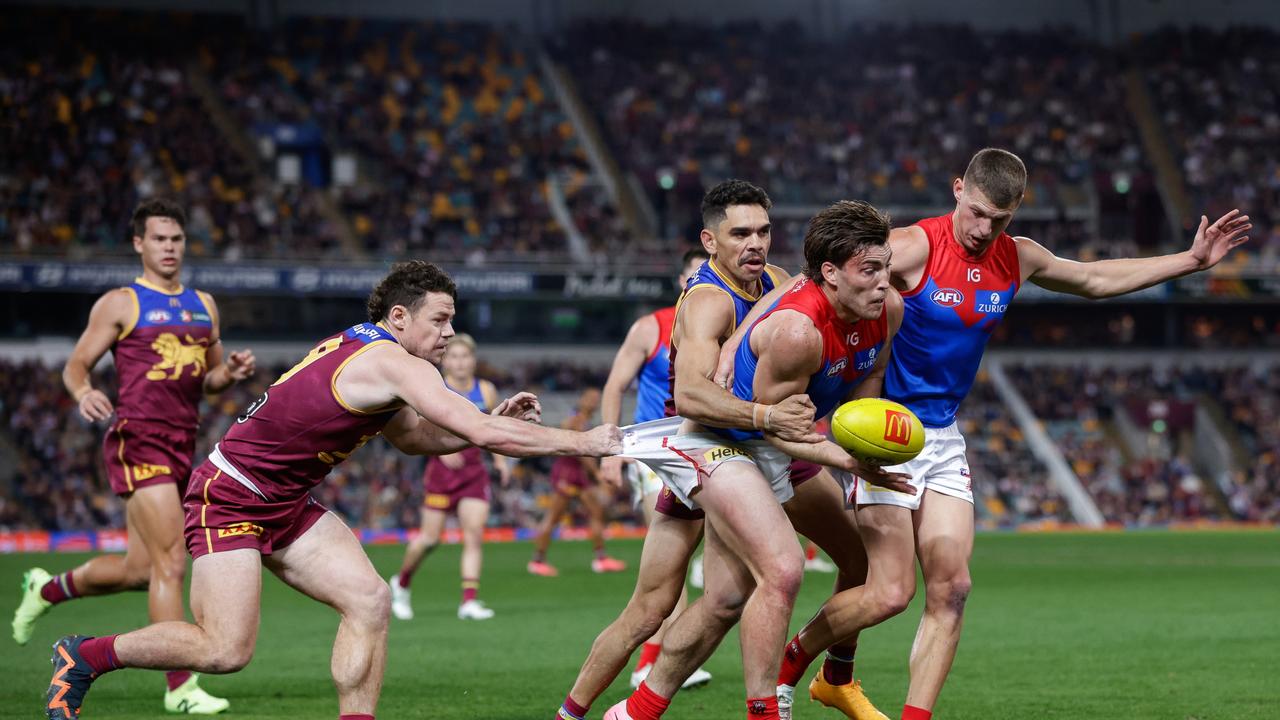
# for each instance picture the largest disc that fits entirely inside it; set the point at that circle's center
(841, 231)
(728, 193)
(156, 207)
(691, 255)
(999, 174)
(408, 284)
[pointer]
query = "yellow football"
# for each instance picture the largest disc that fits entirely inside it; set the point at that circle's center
(878, 431)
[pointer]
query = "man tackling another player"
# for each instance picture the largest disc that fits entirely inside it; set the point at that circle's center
(957, 274)
(248, 505)
(753, 562)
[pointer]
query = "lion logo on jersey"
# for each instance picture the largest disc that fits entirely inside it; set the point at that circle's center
(177, 356)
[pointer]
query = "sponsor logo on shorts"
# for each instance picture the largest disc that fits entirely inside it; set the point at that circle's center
(724, 452)
(241, 528)
(437, 501)
(897, 427)
(146, 471)
(947, 297)
(158, 316)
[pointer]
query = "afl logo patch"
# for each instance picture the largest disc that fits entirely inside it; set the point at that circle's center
(158, 316)
(947, 297)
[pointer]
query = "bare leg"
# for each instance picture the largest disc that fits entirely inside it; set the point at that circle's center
(650, 514)
(663, 562)
(418, 549)
(595, 517)
(754, 564)
(472, 516)
(559, 501)
(944, 542)
(327, 563)
(225, 591)
(888, 537)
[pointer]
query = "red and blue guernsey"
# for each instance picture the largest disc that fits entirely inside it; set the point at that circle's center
(653, 388)
(849, 351)
(300, 428)
(710, 277)
(947, 321)
(160, 358)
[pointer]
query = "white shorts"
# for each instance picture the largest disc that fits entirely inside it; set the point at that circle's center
(683, 462)
(941, 467)
(644, 481)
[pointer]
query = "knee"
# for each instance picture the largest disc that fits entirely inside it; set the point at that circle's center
(893, 598)
(370, 604)
(724, 608)
(949, 595)
(783, 577)
(229, 657)
(170, 566)
(648, 613)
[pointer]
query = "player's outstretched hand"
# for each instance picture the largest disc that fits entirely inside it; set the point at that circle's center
(521, 406)
(876, 475)
(603, 440)
(1213, 242)
(611, 469)
(95, 406)
(792, 420)
(241, 365)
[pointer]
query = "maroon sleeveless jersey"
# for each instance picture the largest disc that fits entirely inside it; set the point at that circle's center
(160, 356)
(300, 428)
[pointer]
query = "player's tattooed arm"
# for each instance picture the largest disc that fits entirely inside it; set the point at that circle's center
(110, 317)
(1108, 278)
(872, 385)
(704, 320)
(222, 372)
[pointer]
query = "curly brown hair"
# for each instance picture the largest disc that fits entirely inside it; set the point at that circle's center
(408, 284)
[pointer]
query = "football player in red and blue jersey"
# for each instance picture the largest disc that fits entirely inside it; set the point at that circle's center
(957, 274)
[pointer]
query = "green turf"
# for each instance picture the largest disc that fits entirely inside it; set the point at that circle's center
(1133, 625)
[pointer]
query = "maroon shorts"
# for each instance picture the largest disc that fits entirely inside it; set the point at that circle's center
(568, 477)
(668, 504)
(446, 486)
(222, 514)
(140, 453)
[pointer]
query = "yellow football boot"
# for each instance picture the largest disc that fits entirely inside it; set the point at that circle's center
(848, 699)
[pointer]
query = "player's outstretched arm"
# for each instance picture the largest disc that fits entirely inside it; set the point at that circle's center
(1108, 278)
(641, 338)
(703, 321)
(790, 352)
(502, 463)
(413, 434)
(388, 374)
(111, 315)
(219, 374)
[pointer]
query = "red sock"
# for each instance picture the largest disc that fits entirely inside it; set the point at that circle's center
(355, 716)
(648, 654)
(59, 588)
(575, 711)
(645, 704)
(600, 553)
(810, 552)
(175, 678)
(100, 653)
(404, 578)
(838, 668)
(911, 712)
(795, 661)
(470, 588)
(765, 708)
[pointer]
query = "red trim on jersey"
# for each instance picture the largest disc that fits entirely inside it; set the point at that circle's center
(665, 318)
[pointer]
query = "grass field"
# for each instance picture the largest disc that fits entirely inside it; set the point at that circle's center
(1124, 625)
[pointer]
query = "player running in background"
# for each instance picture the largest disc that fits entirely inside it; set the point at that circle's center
(575, 478)
(957, 274)
(753, 561)
(459, 484)
(166, 344)
(249, 505)
(644, 358)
